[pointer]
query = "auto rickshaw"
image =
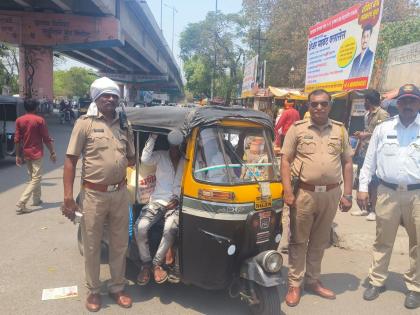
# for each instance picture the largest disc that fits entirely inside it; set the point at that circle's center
(83, 106)
(10, 109)
(231, 199)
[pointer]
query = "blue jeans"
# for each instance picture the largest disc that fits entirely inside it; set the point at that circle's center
(152, 213)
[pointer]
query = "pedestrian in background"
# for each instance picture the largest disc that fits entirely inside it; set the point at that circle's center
(317, 151)
(394, 156)
(374, 116)
(30, 136)
(288, 117)
(107, 148)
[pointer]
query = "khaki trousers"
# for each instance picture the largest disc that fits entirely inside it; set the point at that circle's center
(310, 227)
(98, 207)
(394, 207)
(34, 184)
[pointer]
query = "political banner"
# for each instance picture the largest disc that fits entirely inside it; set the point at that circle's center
(341, 49)
(249, 83)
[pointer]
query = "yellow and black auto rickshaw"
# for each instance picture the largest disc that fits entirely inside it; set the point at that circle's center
(231, 199)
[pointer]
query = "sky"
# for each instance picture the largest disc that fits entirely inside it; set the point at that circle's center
(187, 11)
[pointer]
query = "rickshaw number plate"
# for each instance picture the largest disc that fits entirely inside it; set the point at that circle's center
(262, 203)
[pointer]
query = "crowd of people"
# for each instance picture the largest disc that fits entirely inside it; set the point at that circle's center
(316, 171)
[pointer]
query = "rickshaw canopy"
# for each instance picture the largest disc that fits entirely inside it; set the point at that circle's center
(168, 118)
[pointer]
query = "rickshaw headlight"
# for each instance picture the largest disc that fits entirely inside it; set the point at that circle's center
(272, 261)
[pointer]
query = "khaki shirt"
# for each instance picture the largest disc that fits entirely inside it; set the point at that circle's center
(373, 118)
(318, 150)
(105, 149)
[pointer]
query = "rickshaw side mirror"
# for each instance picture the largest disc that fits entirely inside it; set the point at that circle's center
(175, 137)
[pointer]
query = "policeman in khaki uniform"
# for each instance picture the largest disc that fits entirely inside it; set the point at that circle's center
(317, 150)
(107, 149)
(374, 116)
(394, 156)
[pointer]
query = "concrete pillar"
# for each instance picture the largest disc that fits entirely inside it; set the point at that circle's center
(126, 92)
(36, 72)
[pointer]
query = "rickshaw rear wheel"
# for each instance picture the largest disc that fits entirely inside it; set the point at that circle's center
(270, 302)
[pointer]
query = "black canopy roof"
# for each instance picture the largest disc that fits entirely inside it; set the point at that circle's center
(168, 118)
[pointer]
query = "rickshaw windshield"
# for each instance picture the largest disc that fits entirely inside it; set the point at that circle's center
(234, 155)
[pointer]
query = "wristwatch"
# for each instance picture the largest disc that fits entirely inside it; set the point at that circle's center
(348, 197)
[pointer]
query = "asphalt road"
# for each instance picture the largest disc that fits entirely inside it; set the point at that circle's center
(39, 250)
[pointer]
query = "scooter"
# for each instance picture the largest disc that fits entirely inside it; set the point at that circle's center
(66, 116)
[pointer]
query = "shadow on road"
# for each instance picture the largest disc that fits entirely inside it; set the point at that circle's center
(395, 282)
(341, 282)
(9, 161)
(188, 296)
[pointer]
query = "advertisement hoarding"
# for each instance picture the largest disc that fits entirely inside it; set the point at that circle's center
(249, 83)
(341, 49)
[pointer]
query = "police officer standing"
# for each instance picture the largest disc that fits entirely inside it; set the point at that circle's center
(394, 156)
(107, 149)
(316, 150)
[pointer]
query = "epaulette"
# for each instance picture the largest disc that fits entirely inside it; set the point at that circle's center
(300, 122)
(389, 119)
(339, 123)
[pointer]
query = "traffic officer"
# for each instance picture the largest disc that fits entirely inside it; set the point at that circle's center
(394, 156)
(317, 151)
(107, 148)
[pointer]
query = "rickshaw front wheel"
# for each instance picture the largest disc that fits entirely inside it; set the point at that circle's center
(269, 301)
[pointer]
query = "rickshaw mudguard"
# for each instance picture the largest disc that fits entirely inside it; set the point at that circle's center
(251, 270)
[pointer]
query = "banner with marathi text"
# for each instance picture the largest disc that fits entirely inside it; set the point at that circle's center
(341, 49)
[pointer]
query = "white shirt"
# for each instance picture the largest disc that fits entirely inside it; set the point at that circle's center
(168, 180)
(393, 154)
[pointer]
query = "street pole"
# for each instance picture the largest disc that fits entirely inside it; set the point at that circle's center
(161, 3)
(215, 58)
(259, 67)
(173, 24)
(265, 68)
(173, 29)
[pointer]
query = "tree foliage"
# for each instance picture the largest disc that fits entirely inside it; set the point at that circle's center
(285, 27)
(9, 68)
(218, 35)
(73, 82)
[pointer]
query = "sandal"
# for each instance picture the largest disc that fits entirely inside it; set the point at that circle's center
(143, 277)
(160, 274)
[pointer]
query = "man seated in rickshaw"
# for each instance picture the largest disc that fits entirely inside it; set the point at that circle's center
(163, 203)
(210, 165)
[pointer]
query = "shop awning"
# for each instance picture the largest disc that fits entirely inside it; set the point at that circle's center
(287, 93)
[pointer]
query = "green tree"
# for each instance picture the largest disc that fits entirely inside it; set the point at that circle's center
(218, 35)
(392, 35)
(73, 82)
(9, 68)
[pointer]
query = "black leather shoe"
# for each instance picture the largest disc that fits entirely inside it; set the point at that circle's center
(372, 292)
(412, 300)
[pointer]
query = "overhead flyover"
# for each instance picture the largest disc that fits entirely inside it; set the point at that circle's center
(120, 38)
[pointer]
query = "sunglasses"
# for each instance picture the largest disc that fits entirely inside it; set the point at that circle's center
(315, 104)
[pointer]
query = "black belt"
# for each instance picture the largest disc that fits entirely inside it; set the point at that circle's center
(400, 187)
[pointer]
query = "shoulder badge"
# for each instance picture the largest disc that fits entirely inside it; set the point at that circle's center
(335, 122)
(300, 122)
